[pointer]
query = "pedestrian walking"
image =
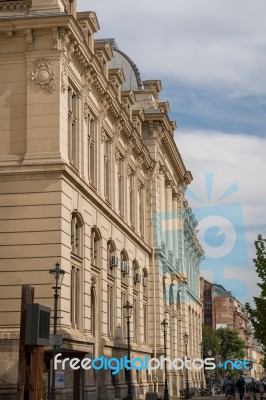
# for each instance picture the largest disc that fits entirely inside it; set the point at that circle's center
(229, 385)
(240, 384)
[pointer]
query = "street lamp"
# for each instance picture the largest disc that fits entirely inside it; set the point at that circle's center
(127, 314)
(186, 336)
(164, 326)
(56, 275)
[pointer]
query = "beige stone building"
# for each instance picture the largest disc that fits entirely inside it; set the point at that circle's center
(257, 370)
(90, 177)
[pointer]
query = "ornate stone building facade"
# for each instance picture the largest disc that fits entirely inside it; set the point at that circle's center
(90, 176)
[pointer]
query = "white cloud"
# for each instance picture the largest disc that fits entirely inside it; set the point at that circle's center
(232, 159)
(202, 42)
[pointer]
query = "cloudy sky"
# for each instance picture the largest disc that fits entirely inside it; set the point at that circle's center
(211, 58)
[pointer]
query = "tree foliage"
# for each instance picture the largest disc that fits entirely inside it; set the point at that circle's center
(231, 345)
(210, 341)
(257, 315)
(224, 342)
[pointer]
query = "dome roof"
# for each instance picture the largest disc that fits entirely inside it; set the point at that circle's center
(130, 70)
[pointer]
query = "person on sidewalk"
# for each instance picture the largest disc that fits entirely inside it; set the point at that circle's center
(240, 384)
(229, 385)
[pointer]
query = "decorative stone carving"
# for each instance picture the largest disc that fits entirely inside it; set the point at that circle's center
(15, 6)
(117, 155)
(29, 38)
(89, 79)
(86, 111)
(55, 38)
(103, 135)
(93, 281)
(43, 74)
(64, 79)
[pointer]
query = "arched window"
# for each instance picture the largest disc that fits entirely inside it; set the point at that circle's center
(112, 260)
(76, 233)
(96, 247)
(72, 127)
(124, 267)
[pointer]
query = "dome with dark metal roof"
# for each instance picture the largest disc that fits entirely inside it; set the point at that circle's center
(130, 70)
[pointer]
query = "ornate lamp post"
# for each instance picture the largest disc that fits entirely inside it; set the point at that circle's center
(186, 336)
(164, 326)
(127, 313)
(57, 275)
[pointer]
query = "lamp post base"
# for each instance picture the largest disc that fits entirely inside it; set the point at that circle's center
(166, 394)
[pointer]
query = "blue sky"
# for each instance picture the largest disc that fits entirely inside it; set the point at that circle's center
(211, 58)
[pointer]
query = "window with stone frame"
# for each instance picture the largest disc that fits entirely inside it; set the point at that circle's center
(111, 252)
(136, 294)
(76, 270)
(72, 127)
(107, 168)
(132, 205)
(123, 319)
(135, 318)
(145, 305)
(124, 273)
(120, 182)
(141, 208)
(93, 310)
(145, 321)
(110, 310)
(75, 296)
(92, 150)
(96, 247)
(76, 234)
(145, 282)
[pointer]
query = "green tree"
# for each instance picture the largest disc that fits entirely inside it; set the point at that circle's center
(230, 344)
(210, 341)
(257, 315)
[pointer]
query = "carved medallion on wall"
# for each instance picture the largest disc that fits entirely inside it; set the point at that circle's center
(44, 74)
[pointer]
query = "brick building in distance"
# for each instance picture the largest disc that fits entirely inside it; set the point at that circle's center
(222, 310)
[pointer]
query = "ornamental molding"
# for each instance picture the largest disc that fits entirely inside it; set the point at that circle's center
(15, 6)
(43, 74)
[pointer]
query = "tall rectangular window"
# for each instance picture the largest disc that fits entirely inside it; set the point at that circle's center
(135, 320)
(123, 319)
(121, 186)
(141, 210)
(107, 168)
(75, 293)
(92, 148)
(72, 128)
(132, 199)
(75, 236)
(110, 310)
(145, 323)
